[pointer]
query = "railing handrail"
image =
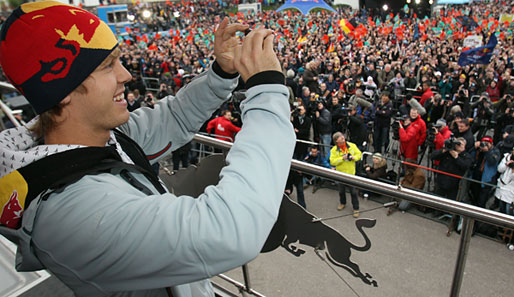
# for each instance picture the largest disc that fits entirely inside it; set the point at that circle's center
(433, 201)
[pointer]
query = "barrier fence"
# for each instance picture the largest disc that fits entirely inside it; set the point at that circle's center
(468, 212)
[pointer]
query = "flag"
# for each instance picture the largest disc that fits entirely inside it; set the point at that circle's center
(479, 55)
(330, 48)
(302, 39)
(346, 26)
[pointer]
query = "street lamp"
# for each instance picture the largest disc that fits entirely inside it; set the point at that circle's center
(385, 7)
(146, 13)
(417, 1)
(408, 1)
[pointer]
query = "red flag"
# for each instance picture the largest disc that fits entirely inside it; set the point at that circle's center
(281, 22)
(325, 39)
(128, 29)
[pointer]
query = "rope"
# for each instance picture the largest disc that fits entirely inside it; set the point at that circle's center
(338, 275)
(386, 205)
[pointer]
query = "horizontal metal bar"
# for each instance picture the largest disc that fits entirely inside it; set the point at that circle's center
(239, 285)
(443, 204)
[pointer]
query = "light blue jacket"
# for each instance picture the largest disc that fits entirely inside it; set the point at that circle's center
(103, 237)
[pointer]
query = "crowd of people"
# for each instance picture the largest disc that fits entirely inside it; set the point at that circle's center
(392, 85)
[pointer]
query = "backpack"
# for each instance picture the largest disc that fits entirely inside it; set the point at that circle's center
(20, 187)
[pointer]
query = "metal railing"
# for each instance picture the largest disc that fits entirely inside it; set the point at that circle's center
(468, 212)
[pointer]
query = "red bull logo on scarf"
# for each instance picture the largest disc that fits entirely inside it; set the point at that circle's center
(13, 192)
(47, 45)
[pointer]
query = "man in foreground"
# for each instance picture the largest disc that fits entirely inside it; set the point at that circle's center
(118, 233)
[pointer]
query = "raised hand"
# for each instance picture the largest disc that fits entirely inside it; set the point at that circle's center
(256, 54)
(226, 43)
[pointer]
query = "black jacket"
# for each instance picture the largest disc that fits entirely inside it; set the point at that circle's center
(449, 164)
(468, 135)
(357, 130)
(324, 122)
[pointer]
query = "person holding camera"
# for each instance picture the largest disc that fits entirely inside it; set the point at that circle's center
(483, 115)
(412, 133)
(163, 91)
(382, 115)
(505, 190)
(454, 159)
(442, 132)
(357, 128)
(148, 101)
(464, 130)
(302, 127)
(343, 156)
(486, 158)
(323, 126)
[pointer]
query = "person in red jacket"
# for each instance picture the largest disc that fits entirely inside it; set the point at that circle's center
(415, 118)
(223, 127)
(442, 133)
(427, 93)
(412, 134)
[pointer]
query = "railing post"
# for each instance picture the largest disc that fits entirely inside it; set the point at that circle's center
(246, 277)
(467, 229)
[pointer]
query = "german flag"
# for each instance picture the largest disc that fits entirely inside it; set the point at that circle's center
(346, 26)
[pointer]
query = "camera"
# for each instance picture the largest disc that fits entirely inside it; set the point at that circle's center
(451, 143)
(348, 157)
(511, 158)
(396, 129)
(432, 132)
(296, 111)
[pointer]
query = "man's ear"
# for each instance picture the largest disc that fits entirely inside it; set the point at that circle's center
(66, 100)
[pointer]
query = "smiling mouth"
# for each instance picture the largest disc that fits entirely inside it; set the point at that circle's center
(119, 98)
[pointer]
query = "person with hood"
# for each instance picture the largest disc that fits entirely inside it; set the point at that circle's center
(118, 231)
(505, 190)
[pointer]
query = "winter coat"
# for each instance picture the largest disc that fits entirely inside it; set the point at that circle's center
(336, 158)
(382, 114)
(223, 128)
(103, 237)
(447, 163)
(324, 122)
(505, 190)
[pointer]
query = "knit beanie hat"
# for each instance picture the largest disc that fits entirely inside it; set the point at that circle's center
(47, 49)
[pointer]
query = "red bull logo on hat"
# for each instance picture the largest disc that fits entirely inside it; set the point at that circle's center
(46, 45)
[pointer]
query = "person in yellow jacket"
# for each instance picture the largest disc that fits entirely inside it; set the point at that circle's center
(343, 156)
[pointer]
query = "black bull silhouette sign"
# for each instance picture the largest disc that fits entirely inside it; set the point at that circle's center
(294, 225)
